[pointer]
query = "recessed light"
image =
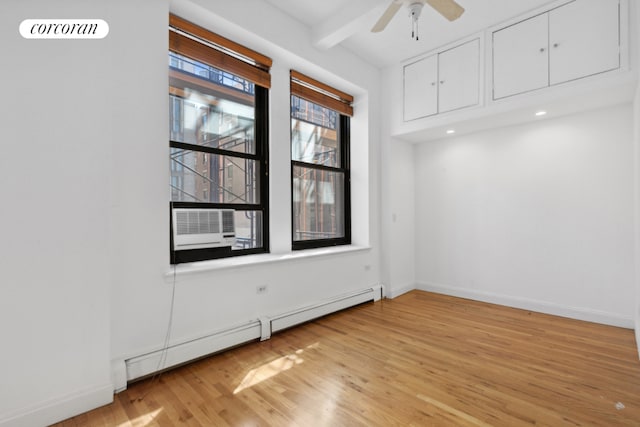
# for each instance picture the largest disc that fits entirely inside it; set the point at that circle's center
(541, 113)
(450, 131)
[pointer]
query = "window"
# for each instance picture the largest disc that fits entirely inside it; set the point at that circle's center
(320, 133)
(218, 118)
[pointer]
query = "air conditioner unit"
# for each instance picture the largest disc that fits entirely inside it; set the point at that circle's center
(203, 228)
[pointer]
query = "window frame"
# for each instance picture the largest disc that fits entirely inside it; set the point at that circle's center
(261, 144)
(313, 95)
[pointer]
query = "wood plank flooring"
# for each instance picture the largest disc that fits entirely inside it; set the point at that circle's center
(421, 359)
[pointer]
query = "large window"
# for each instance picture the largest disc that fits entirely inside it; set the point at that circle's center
(218, 115)
(320, 118)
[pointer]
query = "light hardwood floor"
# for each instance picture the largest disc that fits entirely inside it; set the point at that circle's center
(421, 359)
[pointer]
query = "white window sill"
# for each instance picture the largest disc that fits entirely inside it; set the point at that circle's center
(253, 260)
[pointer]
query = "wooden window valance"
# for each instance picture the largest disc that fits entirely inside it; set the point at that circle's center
(319, 93)
(188, 39)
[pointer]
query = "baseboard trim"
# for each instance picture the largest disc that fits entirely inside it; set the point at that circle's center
(396, 292)
(146, 364)
(323, 308)
(578, 313)
(61, 408)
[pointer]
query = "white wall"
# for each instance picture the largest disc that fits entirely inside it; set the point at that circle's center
(537, 216)
(398, 204)
(55, 169)
(85, 159)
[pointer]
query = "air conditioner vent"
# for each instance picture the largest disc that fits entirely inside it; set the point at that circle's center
(202, 228)
(228, 223)
(194, 221)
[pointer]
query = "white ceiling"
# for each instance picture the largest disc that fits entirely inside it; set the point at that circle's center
(348, 23)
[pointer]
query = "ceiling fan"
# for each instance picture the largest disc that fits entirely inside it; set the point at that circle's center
(447, 8)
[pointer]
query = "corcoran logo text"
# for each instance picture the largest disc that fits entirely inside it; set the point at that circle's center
(64, 29)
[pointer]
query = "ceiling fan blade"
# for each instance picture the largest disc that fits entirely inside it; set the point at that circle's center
(386, 16)
(447, 8)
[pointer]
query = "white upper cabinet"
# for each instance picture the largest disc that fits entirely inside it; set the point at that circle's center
(458, 80)
(446, 81)
(521, 57)
(574, 54)
(584, 39)
(575, 40)
(420, 88)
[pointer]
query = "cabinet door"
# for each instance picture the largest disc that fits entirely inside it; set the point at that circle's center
(459, 74)
(521, 57)
(584, 39)
(420, 88)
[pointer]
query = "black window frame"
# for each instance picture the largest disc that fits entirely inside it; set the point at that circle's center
(260, 156)
(344, 135)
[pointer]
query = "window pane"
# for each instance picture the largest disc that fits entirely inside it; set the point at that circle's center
(211, 178)
(314, 133)
(210, 107)
(318, 209)
(248, 230)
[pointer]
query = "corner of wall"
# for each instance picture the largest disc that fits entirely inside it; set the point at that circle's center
(400, 290)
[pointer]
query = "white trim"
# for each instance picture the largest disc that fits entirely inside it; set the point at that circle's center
(396, 292)
(265, 328)
(60, 408)
(259, 259)
(378, 292)
(119, 375)
(579, 313)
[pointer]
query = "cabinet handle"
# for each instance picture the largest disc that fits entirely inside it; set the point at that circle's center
(542, 50)
(556, 44)
(433, 83)
(441, 82)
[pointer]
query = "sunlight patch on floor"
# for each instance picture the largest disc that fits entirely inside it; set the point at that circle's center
(271, 369)
(142, 420)
(453, 411)
(268, 370)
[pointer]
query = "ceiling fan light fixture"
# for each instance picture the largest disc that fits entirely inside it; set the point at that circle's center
(415, 9)
(447, 8)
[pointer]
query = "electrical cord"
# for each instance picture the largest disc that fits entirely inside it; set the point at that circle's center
(165, 347)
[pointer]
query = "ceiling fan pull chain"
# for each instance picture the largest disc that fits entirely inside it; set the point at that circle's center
(414, 13)
(414, 24)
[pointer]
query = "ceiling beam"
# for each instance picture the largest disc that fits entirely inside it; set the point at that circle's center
(356, 16)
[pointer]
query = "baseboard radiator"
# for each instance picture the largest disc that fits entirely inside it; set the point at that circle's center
(144, 365)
